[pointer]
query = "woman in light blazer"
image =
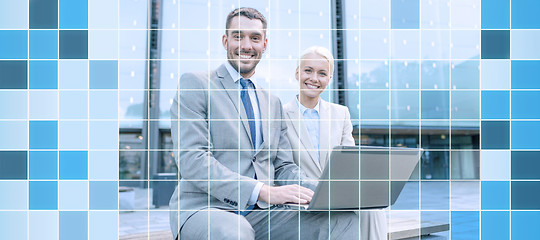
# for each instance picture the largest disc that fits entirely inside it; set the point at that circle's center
(315, 126)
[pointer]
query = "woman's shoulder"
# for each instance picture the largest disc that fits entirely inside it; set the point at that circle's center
(336, 107)
(289, 106)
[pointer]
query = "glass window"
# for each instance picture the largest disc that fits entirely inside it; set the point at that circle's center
(404, 74)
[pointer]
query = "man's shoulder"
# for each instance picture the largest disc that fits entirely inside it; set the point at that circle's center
(199, 75)
(197, 79)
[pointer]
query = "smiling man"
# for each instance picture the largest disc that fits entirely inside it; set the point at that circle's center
(234, 160)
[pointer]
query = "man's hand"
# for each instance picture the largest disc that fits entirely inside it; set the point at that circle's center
(285, 194)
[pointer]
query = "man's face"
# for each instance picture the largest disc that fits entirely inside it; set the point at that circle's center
(245, 43)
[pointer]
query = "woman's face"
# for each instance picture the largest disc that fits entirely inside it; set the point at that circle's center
(313, 74)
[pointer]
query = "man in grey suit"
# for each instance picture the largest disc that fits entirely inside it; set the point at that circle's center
(233, 155)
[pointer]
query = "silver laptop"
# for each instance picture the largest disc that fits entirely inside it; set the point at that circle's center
(364, 177)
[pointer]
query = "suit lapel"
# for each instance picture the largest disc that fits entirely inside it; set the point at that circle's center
(262, 98)
(324, 146)
(232, 90)
(301, 130)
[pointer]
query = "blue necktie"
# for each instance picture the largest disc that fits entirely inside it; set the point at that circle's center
(249, 108)
(246, 100)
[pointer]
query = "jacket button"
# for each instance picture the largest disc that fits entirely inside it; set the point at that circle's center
(253, 159)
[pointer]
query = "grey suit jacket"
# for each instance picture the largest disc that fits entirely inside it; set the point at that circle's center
(335, 129)
(214, 154)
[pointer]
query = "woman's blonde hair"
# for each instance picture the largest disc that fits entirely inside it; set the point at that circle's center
(321, 51)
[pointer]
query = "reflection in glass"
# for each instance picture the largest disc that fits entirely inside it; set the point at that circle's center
(405, 74)
(435, 74)
(130, 161)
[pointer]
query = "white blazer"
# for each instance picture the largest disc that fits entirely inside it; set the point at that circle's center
(335, 129)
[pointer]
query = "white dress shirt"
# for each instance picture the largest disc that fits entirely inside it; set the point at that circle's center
(257, 115)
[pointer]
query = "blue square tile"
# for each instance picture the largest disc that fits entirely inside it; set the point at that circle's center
(103, 14)
(435, 74)
(13, 44)
(495, 165)
(13, 105)
(73, 14)
(524, 224)
(405, 14)
(43, 75)
(103, 104)
(495, 134)
(465, 105)
(435, 195)
(73, 165)
(103, 135)
(495, 74)
(43, 134)
(103, 195)
(73, 225)
(43, 165)
(405, 105)
(524, 44)
(13, 14)
(18, 135)
(495, 104)
(103, 165)
(18, 195)
(73, 44)
(495, 44)
(408, 198)
(15, 74)
(464, 14)
(371, 47)
(13, 165)
(404, 75)
(495, 195)
(496, 225)
(465, 44)
(103, 44)
(43, 195)
(72, 195)
(43, 105)
(43, 14)
(465, 74)
(524, 134)
(13, 225)
(73, 104)
(525, 14)
(73, 74)
(103, 225)
(43, 44)
(72, 135)
(43, 225)
(405, 44)
(525, 195)
(524, 74)
(373, 104)
(103, 74)
(465, 225)
(525, 165)
(442, 217)
(435, 105)
(496, 14)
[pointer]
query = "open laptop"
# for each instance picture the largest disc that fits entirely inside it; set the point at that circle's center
(364, 177)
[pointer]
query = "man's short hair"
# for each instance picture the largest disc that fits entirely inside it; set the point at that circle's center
(250, 13)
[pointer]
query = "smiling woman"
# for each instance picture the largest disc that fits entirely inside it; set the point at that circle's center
(315, 126)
